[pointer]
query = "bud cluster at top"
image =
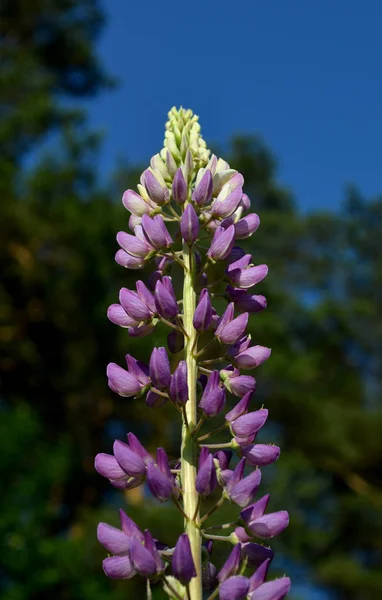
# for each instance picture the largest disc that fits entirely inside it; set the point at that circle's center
(188, 213)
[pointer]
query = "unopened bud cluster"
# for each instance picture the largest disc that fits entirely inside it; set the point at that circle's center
(188, 213)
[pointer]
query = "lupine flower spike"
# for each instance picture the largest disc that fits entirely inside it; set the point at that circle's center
(185, 197)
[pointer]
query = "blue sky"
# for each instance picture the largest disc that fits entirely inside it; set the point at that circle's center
(305, 75)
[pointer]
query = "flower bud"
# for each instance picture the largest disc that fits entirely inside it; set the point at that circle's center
(160, 369)
(142, 560)
(178, 385)
(179, 187)
(189, 225)
(270, 525)
(159, 484)
(230, 333)
(155, 186)
(165, 303)
(249, 424)
(118, 316)
(134, 307)
(203, 314)
(243, 492)
(206, 480)
(183, 565)
(247, 277)
(224, 206)
(251, 357)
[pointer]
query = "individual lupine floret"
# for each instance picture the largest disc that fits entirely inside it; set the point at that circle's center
(243, 274)
(183, 566)
(206, 480)
(155, 186)
(237, 384)
(134, 203)
(135, 245)
(203, 314)
(165, 301)
(222, 243)
(251, 357)
(245, 302)
(178, 386)
(155, 232)
(232, 564)
(160, 372)
(246, 226)
(189, 225)
(213, 398)
(203, 190)
(122, 382)
(179, 187)
(246, 426)
(264, 525)
(260, 455)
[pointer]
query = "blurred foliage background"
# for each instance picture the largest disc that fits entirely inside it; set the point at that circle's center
(57, 227)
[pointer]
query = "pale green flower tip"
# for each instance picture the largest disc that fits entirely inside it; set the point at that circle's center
(176, 585)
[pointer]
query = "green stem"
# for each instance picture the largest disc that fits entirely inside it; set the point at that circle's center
(217, 430)
(189, 445)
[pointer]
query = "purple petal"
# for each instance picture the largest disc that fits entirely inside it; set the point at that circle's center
(250, 423)
(179, 187)
(232, 564)
(252, 357)
(260, 455)
(244, 491)
(142, 559)
(124, 259)
(272, 590)
(234, 588)
(178, 386)
(246, 278)
(107, 466)
(240, 409)
(203, 190)
(130, 462)
(134, 307)
(135, 203)
(113, 539)
(165, 303)
(233, 330)
(206, 480)
(159, 484)
(157, 191)
(259, 576)
(203, 314)
(256, 553)
(183, 566)
(122, 382)
(222, 243)
(160, 369)
(117, 315)
(255, 510)
(270, 525)
(189, 225)
(246, 226)
(118, 567)
(132, 245)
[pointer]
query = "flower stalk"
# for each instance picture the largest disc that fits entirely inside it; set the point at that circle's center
(184, 197)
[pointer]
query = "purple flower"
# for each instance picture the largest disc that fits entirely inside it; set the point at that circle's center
(209, 573)
(213, 398)
(118, 542)
(156, 187)
(251, 357)
(122, 382)
(245, 302)
(203, 314)
(165, 302)
(135, 203)
(179, 187)
(138, 369)
(222, 243)
(160, 369)
(206, 480)
(130, 462)
(234, 588)
(260, 455)
(155, 232)
(231, 332)
(189, 225)
(225, 205)
(134, 306)
(256, 553)
(142, 559)
(246, 226)
(248, 276)
(239, 385)
(183, 565)
(203, 190)
(178, 386)
(243, 492)
(270, 525)
(160, 485)
(249, 424)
